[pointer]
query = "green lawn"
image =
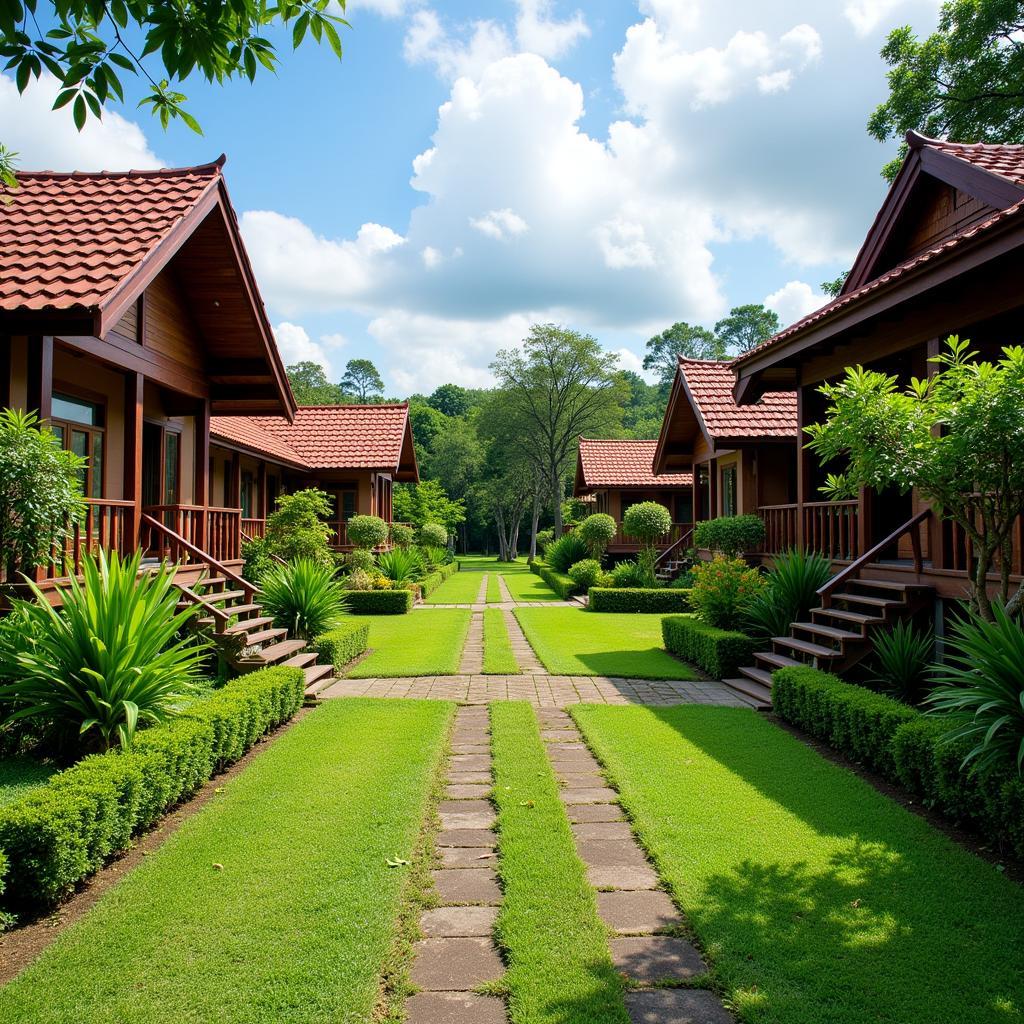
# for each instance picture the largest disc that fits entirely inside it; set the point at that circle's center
(422, 643)
(460, 588)
(498, 657)
(816, 898)
(574, 642)
(493, 588)
(560, 971)
(272, 905)
(19, 775)
(523, 585)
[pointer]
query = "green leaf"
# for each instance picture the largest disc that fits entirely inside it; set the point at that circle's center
(78, 112)
(299, 32)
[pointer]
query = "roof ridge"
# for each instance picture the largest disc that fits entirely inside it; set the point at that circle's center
(214, 167)
(918, 140)
(706, 362)
(357, 405)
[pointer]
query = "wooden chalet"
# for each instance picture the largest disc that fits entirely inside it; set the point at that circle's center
(618, 474)
(355, 453)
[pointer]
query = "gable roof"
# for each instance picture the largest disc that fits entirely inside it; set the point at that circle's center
(622, 463)
(328, 437)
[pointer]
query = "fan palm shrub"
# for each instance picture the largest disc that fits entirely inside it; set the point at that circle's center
(792, 589)
(304, 597)
(981, 689)
(434, 556)
(118, 654)
(401, 565)
(566, 551)
(904, 658)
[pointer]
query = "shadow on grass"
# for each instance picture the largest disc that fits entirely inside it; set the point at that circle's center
(643, 663)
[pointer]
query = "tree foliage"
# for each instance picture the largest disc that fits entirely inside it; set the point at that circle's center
(965, 81)
(835, 286)
(746, 327)
(310, 385)
(681, 339)
(426, 502)
(362, 380)
(297, 527)
(450, 399)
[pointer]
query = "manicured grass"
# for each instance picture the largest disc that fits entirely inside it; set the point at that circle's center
(560, 971)
(574, 642)
(19, 775)
(274, 903)
(460, 588)
(493, 588)
(816, 898)
(477, 563)
(422, 643)
(523, 585)
(498, 656)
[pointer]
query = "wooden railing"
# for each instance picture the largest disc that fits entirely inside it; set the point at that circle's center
(780, 532)
(108, 524)
(910, 528)
(680, 545)
(254, 528)
(214, 531)
(829, 527)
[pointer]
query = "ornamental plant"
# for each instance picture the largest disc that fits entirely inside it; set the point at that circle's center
(401, 566)
(297, 528)
(433, 535)
(794, 580)
(360, 559)
(304, 597)
(586, 574)
(647, 522)
(566, 551)
(723, 590)
(402, 536)
(597, 532)
(731, 536)
(903, 657)
(367, 532)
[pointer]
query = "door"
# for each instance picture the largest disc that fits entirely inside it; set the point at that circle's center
(161, 465)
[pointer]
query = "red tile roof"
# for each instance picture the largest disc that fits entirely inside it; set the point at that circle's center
(625, 464)
(323, 436)
(998, 158)
(70, 241)
(710, 386)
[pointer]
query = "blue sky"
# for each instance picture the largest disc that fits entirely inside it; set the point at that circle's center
(469, 169)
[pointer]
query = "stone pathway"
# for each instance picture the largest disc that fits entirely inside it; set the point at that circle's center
(481, 594)
(457, 954)
(472, 662)
(529, 663)
(647, 945)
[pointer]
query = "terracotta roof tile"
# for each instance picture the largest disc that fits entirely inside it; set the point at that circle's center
(324, 436)
(710, 384)
(68, 241)
(998, 158)
(625, 464)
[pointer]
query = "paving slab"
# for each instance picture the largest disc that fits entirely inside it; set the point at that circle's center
(623, 877)
(467, 837)
(595, 795)
(458, 922)
(583, 780)
(476, 747)
(470, 762)
(467, 885)
(610, 853)
(649, 959)
(469, 778)
(675, 1006)
(454, 964)
(467, 857)
(579, 813)
(602, 830)
(453, 1008)
(471, 817)
(637, 913)
(466, 791)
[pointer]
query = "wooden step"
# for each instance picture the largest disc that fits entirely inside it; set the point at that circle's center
(875, 602)
(806, 647)
(246, 624)
(818, 629)
(756, 693)
(757, 675)
(303, 660)
(265, 636)
(276, 653)
(212, 581)
(224, 595)
(777, 660)
(893, 585)
(847, 616)
(318, 677)
(244, 609)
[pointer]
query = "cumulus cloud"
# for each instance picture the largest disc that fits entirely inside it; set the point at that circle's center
(46, 139)
(794, 300)
(538, 32)
(296, 346)
(427, 42)
(867, 15)
(500, 224)
(385, 8)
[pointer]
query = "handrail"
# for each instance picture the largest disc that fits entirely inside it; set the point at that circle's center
(663, 556)
(201, 555)
(910, 526)
(220, 616)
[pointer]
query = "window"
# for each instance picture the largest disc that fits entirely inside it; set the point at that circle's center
(704, 486)
(78, 426)
(729, 504)
(161, 465)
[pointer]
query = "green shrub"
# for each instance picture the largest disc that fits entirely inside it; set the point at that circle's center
(647, 522)
(304, 597)
(402, 535)
(723, 590)
(719, 652)
(903, 661)
(855, 721)
(586, 573)
(58, 834)
(634, 575)
(342, 645)
(380, 602)
(117, 654)
(567, 550)
(731, 536)
(544, 538)
(597, 532)
(258, 560)
(433, 535)
(297, 528)
(401, 566)
(639, 599)
(367, 532)
(564, 586)
(794, 580)
(360, 559)
(435, 556)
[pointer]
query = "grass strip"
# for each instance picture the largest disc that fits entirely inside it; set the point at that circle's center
(574, 642)
(559, 967)
(816, 897)
(493, 589)
(274, 903)
(422, 643)
(523, 585)
(498, 657)
(460, 588)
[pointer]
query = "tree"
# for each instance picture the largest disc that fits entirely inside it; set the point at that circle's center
(310, 385)
(747, 326)
(559, 385)
(362, 380)
(644, 409)
(835, 286)
(450, 399)
(90, 45)
(426, 502)
(956, 437)
(681, 339)
(965, 81)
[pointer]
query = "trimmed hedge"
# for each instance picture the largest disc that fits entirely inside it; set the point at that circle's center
(342, 645)
(719, 652)
(433, 580)
(639, 599)
(62, 832)
(906, 747)
(564, 586)
(379, 602)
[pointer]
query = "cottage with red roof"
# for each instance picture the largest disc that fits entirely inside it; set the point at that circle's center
(353, 452)
(617, 474)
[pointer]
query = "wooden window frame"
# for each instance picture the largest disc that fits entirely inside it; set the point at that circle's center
(72, 391)
(166, 429)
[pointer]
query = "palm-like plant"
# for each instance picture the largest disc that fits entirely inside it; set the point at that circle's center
(981, 689)
(117, 654)
(793, 583)
(304, 597)
(904, 660)
(401, 565)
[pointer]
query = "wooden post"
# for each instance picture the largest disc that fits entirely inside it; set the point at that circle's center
(936, 525)
(261, 490)
(133, 387)
(5, 371)
(236, 480)
(802, 469)
(40, 376)
(866, 500)
(201, 470)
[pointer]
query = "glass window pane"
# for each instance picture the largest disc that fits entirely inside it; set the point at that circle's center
(97, 465)
(171, 469)
(349, 504)
(76, 410)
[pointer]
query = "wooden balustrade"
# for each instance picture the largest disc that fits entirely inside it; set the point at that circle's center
(780, 532)
(108, 524)
(830, 528)
(217, 531)
(254, 528)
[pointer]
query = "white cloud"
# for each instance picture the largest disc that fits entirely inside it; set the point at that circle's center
(500, 224)
(867, 15)
(538, 32)
(385, 8)
(624, 244)
(629, 360)
(794, 300)
(427, 42)
(296, 346)
(431, 256)
(46, 139)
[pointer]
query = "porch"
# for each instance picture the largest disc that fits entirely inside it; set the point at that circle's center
(623, 544)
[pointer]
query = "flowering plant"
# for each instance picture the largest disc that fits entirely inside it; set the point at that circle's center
(723, 589)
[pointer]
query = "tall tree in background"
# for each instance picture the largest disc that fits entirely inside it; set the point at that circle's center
(87, 48)
(450, 399)
(681, 339)
(560, 384)
(747, 326)
(362, 380)
(310, 385)
(963, 82)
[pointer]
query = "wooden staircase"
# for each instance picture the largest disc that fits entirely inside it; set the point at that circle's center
(244, 635)
(839, 633)
(672, 561)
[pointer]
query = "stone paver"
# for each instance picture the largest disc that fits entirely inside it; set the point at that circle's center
(458, 922)
(480, 837)
(637, 913)
(648, 959)
(466, 791)
(596, 795)
(472, 662)
(675, 1006)
(610, 853)
(525, 655)
(466, 856)
(603, 830)
(627, 877)
(580, 813)
(453, 1008)
(455, 964)
(467, 885)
